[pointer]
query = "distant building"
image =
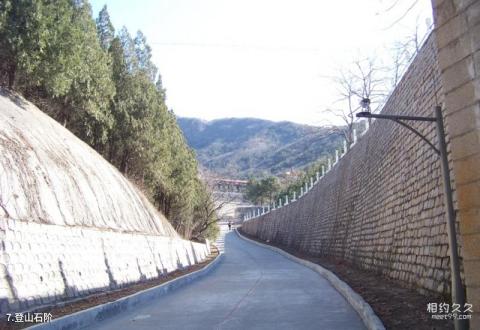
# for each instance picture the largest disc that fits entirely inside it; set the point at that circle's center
(230, 185)
(230, 194)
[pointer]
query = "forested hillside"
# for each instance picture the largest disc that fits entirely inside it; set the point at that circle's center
(102, 85)
(245, 147)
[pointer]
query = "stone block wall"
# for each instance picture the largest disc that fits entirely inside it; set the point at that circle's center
(41, 263)
(381, 206)
(457, 24)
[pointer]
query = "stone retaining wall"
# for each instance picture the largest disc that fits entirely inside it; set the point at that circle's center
(457, 24)
(381, 206)
(43, 264)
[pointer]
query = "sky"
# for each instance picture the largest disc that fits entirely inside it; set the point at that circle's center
(269, 59)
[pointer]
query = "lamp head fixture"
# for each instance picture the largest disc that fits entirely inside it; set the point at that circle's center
(365, 104)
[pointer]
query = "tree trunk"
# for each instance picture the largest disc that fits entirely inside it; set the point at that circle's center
(12, 69)
(124, 163)
(111, 149)
(64, 112)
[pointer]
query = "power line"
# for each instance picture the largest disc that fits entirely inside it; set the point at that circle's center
(237, 46)
(392, 6)
(403, 16)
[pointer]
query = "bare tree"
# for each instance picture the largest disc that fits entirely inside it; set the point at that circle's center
(405, 50)
(367, 78)
(363, 79)
(208, 213)
(346, 114)
(209, 204)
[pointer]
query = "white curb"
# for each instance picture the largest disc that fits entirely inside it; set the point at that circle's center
(368, 316)
(84, 318)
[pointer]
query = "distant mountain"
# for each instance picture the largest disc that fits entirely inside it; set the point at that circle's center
(240, 147)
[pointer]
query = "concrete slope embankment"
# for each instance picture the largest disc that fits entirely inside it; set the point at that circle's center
(70, 223)
(49, 176)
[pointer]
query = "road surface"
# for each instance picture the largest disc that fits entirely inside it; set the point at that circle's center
(252, 288)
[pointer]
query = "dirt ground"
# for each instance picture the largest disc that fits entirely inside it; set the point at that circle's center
(398, 307)
(67, 307)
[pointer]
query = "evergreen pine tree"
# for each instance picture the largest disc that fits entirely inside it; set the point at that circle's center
(105, 29)
(162, 91)
(144, 56)
(129, 53)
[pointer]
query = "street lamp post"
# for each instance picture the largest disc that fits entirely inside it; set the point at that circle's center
(458, 295)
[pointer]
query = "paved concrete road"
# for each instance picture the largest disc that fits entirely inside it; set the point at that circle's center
(253, 288)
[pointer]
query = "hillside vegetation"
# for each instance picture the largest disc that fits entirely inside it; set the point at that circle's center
(102, 85)
(247, 147)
